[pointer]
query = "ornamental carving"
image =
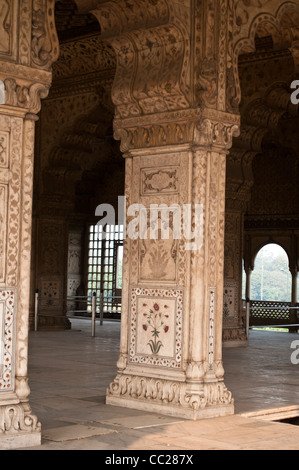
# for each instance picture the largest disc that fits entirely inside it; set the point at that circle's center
(44, 41)
(16, 418)
(215, 133)
(4, 149)
(40, 56)
(159, 181)
(170, 393)
(157, 259)
(194, 126)
(153, 135)
(152, 47)
(29, 45)
(253, 18)
(28, 97)
(82, 56)
(5, 27)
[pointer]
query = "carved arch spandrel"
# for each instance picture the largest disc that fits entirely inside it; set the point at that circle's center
(271, 15)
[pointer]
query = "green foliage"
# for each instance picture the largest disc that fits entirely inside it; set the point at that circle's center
(271, 278)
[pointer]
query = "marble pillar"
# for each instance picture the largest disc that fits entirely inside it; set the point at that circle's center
(25, 77)
(175, 132)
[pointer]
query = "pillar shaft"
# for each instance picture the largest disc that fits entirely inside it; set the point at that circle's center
(171, 347)
(25, 77)
(171, 117)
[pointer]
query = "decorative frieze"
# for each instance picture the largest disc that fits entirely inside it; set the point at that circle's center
(170, 396)
(196, 127)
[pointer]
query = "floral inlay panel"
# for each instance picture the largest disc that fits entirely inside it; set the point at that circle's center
(229, 300)
(211, 326)
(50, 294)
(156, 327)
(7, 313)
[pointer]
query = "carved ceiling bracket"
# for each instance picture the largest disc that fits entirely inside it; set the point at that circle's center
(151, 41)
(156, 71)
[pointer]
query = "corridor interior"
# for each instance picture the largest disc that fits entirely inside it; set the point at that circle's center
(70, 370)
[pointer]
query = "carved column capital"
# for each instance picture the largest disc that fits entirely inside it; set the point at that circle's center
(217, 132)
(27, 51)
(26, 97)
(193, 126)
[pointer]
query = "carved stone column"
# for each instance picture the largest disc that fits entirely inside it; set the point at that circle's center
(51, 262)
(27, 47)
(238, 185)
(171, 325)
(294, 299)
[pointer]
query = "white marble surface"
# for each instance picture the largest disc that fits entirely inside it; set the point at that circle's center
(69, 372)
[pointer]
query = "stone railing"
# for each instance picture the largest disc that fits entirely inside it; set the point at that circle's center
(272, 313)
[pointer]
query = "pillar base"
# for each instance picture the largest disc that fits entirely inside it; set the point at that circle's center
(206, 400)
(51, 322)
(19, 440)
(234, 337)
(19, 427)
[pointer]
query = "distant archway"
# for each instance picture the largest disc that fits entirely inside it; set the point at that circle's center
(271, 279)
(272, 296)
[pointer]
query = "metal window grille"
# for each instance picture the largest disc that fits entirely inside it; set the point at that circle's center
(105, 266)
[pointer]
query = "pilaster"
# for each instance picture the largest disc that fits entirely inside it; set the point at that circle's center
(25, 61)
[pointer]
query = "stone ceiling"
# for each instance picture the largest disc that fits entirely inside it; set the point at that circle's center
(71, 24)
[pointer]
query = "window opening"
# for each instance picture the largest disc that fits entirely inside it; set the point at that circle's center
(105, 256)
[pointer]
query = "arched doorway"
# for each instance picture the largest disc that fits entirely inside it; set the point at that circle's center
(271, 279)
(271, 288)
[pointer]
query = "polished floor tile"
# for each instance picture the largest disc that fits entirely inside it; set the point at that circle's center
(69, 372)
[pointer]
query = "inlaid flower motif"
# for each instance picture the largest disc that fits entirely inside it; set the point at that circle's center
(156, 319)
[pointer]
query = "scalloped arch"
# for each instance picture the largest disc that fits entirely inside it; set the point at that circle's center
(245, 43)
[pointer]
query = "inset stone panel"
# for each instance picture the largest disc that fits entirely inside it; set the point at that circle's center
(230, 300)
(50, 294)
(7, 314)
(164, 180)
(156, 327)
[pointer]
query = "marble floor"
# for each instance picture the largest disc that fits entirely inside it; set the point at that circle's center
(70, 370)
